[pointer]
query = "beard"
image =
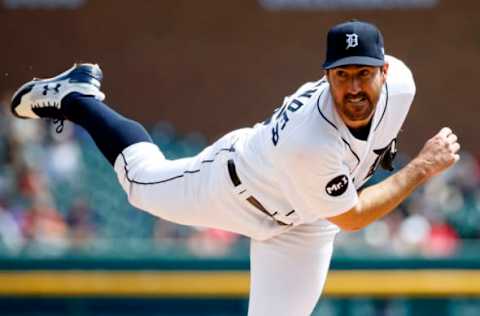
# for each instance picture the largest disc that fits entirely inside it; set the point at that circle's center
(357, 107)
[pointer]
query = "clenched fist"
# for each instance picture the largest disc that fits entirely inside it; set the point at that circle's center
(438, 153)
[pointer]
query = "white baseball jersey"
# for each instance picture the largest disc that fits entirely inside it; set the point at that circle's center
(305, 164)
(275, 182)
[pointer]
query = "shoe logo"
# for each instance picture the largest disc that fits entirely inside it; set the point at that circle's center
(55, 89)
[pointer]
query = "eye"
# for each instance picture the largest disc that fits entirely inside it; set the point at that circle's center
(364, 73)
(341, 74)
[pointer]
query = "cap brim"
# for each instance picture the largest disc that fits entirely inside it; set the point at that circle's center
(355, 60)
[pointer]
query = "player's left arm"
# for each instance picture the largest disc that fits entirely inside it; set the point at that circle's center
(438, 154)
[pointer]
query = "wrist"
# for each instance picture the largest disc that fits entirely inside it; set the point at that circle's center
(418, 170)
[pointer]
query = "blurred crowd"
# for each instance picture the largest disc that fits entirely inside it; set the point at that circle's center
(58, 195)
(32, 158)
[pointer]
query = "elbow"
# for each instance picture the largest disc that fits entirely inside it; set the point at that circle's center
(351, 227)
(349, 222)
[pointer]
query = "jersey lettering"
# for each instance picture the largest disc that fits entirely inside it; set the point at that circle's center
(275, 134)
(281, 117)
(283, 120)
(308, 93)
(294, 105)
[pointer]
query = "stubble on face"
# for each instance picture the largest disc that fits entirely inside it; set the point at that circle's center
(356, 91)
(358, 107)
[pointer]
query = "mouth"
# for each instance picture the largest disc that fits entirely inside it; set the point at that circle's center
(357, 100)
(357, 107)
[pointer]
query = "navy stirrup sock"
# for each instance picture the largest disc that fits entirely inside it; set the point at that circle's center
(111, 132)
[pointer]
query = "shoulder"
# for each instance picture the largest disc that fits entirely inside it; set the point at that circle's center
(315, 137)
(320, 146)
(399, 77)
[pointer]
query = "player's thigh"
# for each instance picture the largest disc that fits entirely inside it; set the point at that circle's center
(288, 272)
(180, 190)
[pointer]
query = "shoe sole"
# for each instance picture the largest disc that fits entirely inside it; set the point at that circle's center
(82, 73)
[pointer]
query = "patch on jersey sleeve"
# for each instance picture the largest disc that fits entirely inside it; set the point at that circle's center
(337, 186)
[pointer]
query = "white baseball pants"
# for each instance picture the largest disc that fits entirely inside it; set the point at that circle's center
(289, 264)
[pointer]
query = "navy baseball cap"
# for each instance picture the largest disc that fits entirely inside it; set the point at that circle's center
(354, 43)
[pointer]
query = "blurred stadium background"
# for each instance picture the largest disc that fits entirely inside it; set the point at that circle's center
(190, 71)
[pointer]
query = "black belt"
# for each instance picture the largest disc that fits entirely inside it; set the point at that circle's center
(232, 171)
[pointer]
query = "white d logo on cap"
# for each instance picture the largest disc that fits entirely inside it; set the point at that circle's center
(352, 40)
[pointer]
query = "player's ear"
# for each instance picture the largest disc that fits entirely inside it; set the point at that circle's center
(327, 75)
(384, 70)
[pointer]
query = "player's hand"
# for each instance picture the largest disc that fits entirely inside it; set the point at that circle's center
(439, 153)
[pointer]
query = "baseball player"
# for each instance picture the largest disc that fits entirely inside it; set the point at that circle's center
(290, 182)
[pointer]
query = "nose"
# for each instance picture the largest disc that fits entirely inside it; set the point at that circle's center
(354, 86)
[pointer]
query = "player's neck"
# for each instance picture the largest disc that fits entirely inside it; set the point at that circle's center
(361, 132)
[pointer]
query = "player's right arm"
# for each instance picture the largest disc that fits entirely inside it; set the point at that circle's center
(437, 155)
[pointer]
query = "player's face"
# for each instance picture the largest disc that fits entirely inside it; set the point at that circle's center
(355, 90)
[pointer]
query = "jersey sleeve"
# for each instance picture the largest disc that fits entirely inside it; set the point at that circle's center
(402, 89)
(400, 78)
(317, 182)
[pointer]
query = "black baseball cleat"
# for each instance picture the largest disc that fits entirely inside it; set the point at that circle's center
(42, 98)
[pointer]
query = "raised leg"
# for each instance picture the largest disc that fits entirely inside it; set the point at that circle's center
(111, 131)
